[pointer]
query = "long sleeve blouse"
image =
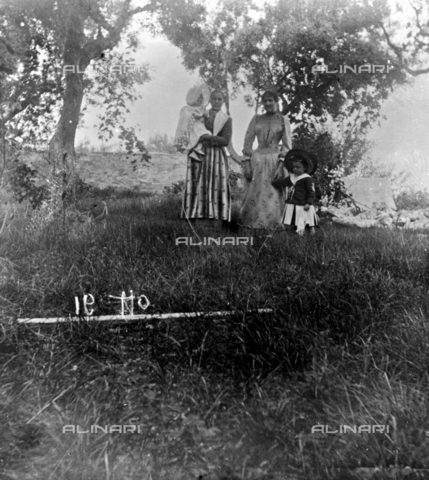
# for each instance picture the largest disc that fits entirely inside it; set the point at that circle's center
(223, 138)
(270, 130)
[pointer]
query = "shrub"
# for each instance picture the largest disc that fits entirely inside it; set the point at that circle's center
(85, 146)
(414, 200)
(175, 189)
(234, 177)
(161, 143)
(82, 188)
(22, 180)
(328, 152)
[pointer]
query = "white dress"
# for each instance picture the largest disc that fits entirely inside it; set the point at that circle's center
(263, 204)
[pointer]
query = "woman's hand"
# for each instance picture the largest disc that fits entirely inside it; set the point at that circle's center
(307, 207)
(248, 175)
(206, 140)
(279, 174)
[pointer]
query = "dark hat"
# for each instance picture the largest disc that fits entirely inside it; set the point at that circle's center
(306, 157)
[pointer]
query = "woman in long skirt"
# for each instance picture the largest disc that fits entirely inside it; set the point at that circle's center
(207, 191)
(263, 203)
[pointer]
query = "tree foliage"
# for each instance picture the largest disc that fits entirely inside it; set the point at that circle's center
(277, 46)
(31, 86)
(58, 41)
(206, 45)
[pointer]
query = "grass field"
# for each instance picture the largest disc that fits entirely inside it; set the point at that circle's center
(214, 398)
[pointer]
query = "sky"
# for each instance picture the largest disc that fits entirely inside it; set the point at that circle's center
(402, 139)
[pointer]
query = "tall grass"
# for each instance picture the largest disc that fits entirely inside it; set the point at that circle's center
(231, 397)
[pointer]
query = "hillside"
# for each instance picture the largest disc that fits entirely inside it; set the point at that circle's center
(115, 169)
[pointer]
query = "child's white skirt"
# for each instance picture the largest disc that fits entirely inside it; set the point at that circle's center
(296, 215)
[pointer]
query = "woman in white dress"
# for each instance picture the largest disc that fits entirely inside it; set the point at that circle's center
(263, 203)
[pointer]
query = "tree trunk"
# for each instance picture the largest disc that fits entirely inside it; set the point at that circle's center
(63, 139)
(62, 154)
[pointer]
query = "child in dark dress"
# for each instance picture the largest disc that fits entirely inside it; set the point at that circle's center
(300, 193)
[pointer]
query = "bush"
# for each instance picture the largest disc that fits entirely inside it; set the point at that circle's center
(415, 200)
(328, 152)
(161, 143)
(84, 146)
(234, 177)
(82, 188)
(175, 189)
(23, 183)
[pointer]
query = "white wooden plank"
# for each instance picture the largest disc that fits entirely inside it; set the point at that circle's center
(128, 318)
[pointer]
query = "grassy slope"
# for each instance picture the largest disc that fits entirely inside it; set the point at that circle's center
(216, 398)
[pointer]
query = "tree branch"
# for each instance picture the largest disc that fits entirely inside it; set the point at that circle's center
(396, 49)
(399, 54)
(416, 73)
(417, 12)
(94, 47)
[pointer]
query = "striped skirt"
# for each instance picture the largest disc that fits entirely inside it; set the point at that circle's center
(207, 192)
